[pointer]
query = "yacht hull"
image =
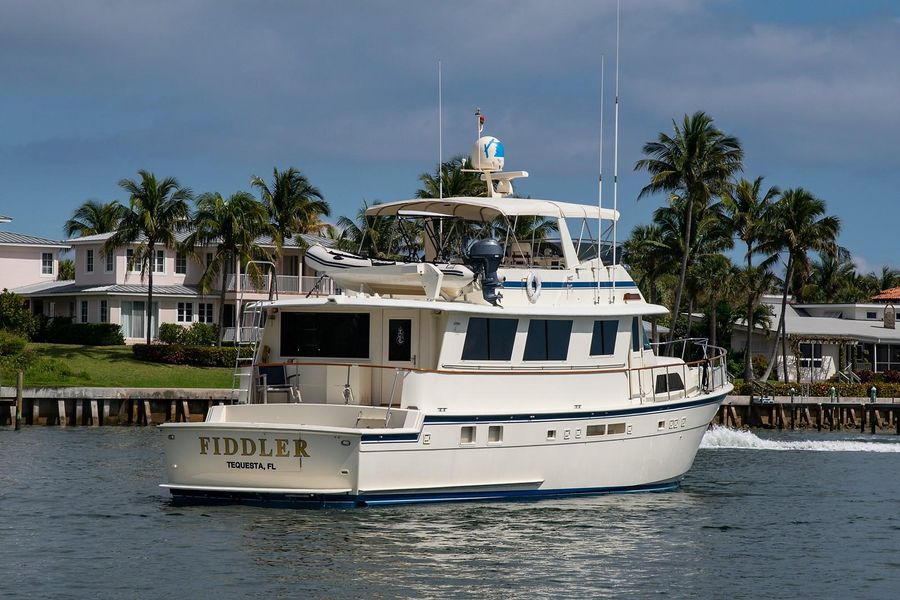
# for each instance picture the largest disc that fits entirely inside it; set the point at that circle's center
(647, 447)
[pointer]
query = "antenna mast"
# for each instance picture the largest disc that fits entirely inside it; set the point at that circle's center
(440, 135)
(615, 164)
(600, 183)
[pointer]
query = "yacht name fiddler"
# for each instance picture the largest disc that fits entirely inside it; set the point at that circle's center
(228, 446)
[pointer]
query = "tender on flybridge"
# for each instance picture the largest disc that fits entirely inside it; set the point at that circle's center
(493, 351)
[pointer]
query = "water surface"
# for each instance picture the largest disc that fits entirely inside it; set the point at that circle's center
(759, 516)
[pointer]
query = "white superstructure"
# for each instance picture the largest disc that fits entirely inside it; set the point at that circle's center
(491, 367)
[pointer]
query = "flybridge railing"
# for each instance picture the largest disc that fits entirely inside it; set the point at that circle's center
(654, 383)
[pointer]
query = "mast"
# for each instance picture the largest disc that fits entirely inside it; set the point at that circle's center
(600, 186)
(615, 164)
(440, 135)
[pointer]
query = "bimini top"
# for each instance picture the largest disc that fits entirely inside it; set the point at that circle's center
(488, 209)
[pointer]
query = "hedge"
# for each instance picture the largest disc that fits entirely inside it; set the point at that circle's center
(63, 331)
(10, 343)
(178, 354)
(823, 389)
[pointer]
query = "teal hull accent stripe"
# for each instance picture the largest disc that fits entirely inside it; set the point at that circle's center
(558, 285)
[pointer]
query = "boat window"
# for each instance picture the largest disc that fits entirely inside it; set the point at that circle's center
(668, 383)
(548, 339)
(489, 339)
(331, 335)
(636, 337)
(603, 341)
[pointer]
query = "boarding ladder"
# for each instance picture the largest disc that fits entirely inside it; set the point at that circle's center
(247, 335)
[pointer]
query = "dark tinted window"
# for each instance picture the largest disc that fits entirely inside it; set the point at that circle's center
(548, 340)
(636, 334)
(329, 335)
(399, 340)
(603, 341)
(489, 339)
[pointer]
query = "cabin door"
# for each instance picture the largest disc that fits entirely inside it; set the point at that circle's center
(400, 348)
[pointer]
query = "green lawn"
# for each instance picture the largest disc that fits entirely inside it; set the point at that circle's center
(111, 366)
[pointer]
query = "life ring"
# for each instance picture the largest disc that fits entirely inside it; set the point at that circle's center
(533, 286)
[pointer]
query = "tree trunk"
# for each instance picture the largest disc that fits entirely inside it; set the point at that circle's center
(780, 329)
(151, 249)
(790, 275)
(748, 357)
(683, 275)
(748, 362)
(713, 323)
(221, 310)
(690, 317)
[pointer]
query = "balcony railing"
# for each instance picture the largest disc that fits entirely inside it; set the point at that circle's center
(286, 284)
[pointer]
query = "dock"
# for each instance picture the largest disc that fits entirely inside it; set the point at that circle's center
(87, 406)
(150, 406)
(816, 413)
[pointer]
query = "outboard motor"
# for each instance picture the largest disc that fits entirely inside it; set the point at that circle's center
(484, 259)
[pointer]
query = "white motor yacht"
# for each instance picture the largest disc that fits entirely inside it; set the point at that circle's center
(507, 368)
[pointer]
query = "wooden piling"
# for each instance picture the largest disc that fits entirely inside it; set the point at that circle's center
(186, 411)
(148, 416)
(61, 410)
(95, 414)
(20, 386)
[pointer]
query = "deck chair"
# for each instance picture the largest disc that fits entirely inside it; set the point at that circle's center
(520, 253)
(274, 378)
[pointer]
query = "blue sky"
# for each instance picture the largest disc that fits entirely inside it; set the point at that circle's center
(215, 91)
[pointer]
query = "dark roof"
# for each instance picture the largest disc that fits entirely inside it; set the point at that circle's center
(10, 238)
(63, 288)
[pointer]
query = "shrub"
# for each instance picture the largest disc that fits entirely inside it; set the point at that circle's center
(891, 376)
(823, 389)
(10, 343)
(64, 331)
(865, 375)
(179, 354)
(15, 317)
(201, 334)
(171, 333)
(759, 364)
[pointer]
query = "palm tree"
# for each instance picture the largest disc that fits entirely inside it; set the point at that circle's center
(650, 257)
(294, 205)
(94, 217)
(367, 236)
(66, 270)
(747, 211)
(230, 227)
(157, 211)
(457, 181)
(802, 226)
(695, 165)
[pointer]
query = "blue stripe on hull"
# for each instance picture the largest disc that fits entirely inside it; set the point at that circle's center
(559, 285)
(344, 501)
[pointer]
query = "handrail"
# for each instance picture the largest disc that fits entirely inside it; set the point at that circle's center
(482, 372)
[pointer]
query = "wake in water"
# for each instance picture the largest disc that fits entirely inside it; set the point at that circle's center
(724, 437)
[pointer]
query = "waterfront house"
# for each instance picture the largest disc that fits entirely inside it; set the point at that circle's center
(27, 259)
(107, 290)
(827, 339)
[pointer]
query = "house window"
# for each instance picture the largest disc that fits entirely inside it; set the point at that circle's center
(89, 261)
(330, 335)
(47, 263)
(185, 312)
(180, 263)
(159, 263)
(810, 355)
(489, 339)
(133, 266)
(104, 311)
(871, 315)
(84, 311)
(205, 312)
(547, 340)
(603, 340)
(134, 323)
(110, 257)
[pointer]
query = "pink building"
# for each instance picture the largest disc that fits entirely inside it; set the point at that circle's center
(27, 259)
(107, 290)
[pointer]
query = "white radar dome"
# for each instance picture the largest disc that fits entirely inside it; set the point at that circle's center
(487, 155)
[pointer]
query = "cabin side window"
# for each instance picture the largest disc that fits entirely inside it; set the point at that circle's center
(637, 337)
(603, 340)
(547, 340)
(489, 339)
(325, 335)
